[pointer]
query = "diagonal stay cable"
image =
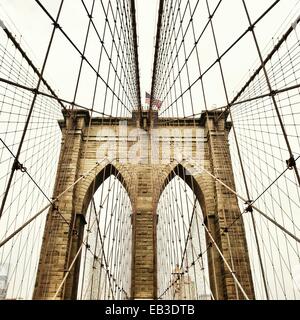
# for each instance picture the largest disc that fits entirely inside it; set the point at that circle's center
(52, 203)
(14, 166)
(246, 210)
(58, 99)
(251, 205)
(24, 170)
(83, 243)
(29, 61)
(102, 246)
(225, 261)
(83, 56)
(275, 104)
(257, 71)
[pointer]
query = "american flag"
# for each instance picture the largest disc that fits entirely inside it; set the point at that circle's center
(155, 102)
(148, 98)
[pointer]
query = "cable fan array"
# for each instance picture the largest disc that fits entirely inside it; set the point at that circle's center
(203, 49)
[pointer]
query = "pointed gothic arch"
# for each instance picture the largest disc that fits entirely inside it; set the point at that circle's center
(100, 176)
(187, 246)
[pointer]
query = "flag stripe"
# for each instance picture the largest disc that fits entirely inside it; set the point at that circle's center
(155, 102)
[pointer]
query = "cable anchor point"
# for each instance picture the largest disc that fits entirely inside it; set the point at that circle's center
(19, 166)
(55, 207)
(249, 207)
(291, 163)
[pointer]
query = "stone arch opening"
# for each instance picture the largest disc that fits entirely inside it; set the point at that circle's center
(104, 268)
(99, 178)
(181, 171)
(181, 239)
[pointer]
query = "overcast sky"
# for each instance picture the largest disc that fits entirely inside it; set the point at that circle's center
(35, 28)
(36, 31)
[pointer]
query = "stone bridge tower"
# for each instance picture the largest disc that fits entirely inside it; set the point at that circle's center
(144, 181)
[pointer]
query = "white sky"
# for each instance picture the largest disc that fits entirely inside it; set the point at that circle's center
(36, 32)
(146, 22)
(35, 28)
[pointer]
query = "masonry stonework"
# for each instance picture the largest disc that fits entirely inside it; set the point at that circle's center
(144, 181)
